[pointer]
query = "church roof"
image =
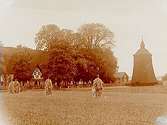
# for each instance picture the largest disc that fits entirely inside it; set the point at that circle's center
(120, 74)
(142, 50)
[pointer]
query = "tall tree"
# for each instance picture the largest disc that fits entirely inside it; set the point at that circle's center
(46, 35)
(50, 34)
(75, 39)
(96, 35)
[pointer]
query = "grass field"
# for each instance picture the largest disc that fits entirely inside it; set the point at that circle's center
(117, 106)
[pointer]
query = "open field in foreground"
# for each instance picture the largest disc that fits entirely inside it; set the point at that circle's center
(117, 106)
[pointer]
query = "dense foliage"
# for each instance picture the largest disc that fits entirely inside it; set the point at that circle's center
(67, 55)
(20, 63)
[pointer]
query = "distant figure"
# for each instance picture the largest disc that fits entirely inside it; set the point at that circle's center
(62, 84)
(48, 86)
(93, 91)
(56, 85)
(89, 83)
(21, 86)
(98, 85)
(11, 87)
(71, 84)
(85, 84)
(80, 83)
(17, 87)
(27, 84)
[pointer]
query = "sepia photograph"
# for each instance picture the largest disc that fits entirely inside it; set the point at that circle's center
(83, 62)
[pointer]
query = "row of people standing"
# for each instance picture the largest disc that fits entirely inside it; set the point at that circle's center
(62, 84)
(97, 87)
(14, 87)
(81, 83)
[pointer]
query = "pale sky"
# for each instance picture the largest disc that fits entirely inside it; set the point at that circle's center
(128, 19)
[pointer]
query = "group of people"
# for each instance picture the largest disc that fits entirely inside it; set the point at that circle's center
(79, 84)
(15, 87)
(97, 87)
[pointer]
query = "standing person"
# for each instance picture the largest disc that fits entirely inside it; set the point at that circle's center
(17, 86)
(93, 91)
(21, 85)
(27, 84)
(98, 85)
(89, 83)
(11, 87)
(62, 84)
(48, 86)
(71, 84)
(55, 85)
(80, 83)
(85, 84)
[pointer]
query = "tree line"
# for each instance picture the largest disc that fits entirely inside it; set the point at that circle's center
(68, 55)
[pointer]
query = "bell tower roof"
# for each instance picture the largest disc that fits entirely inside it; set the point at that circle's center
(142, 50)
